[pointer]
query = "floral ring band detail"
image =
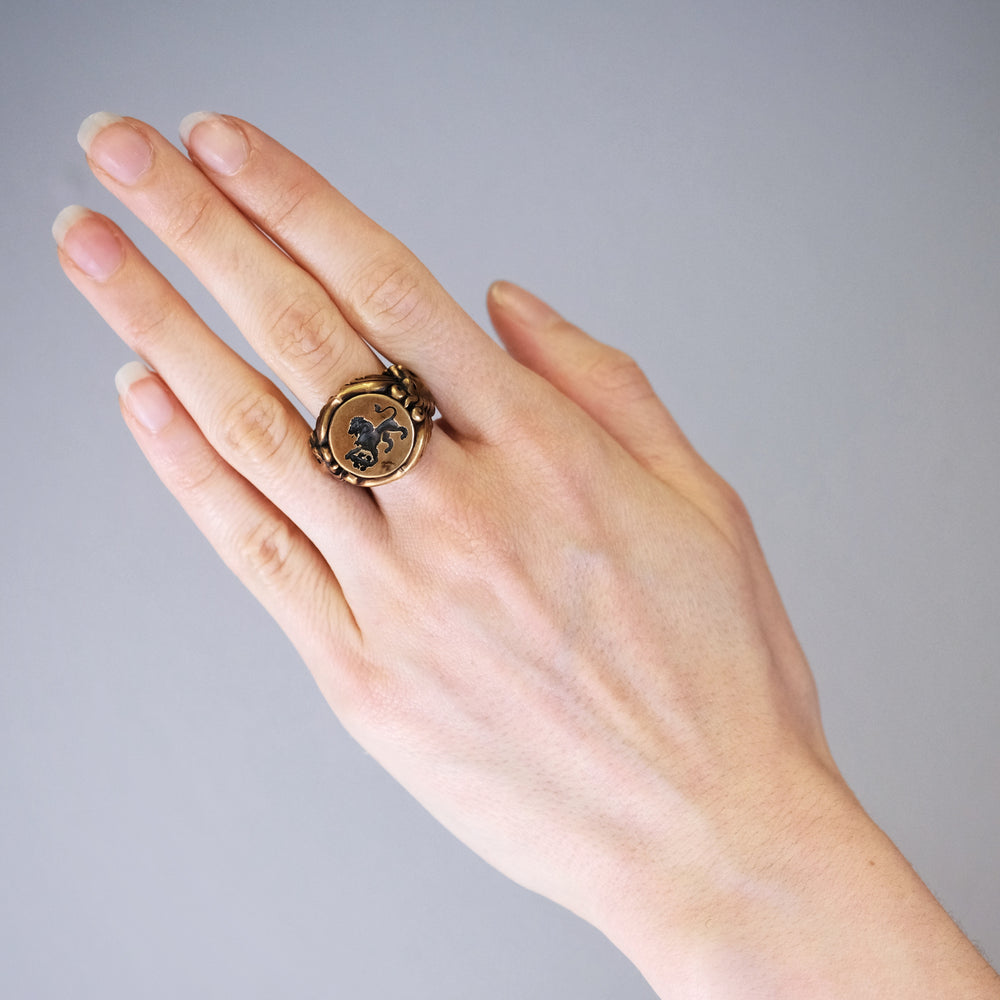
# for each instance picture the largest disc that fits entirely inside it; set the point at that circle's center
(375, 429)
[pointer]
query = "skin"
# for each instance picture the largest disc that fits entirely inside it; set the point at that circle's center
(566, 644)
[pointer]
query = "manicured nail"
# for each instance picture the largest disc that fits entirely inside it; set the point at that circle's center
(88, 241)
(144, 396)
(112, 144)
(215, 142)
(526, 307)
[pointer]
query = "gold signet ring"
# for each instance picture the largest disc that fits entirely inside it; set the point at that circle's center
(375, 429)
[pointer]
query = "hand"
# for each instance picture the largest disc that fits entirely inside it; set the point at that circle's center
(557, 631)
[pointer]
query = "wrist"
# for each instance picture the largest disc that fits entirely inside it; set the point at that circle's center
(816, 902)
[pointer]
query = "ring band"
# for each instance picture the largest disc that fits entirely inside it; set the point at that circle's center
(375, 429)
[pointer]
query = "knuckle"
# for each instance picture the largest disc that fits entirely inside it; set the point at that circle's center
(255, 428)
(141, 330)
(267, 547)
(190, 218)
(291, 202)
(390, 296)
(612, 370)
(302, 334)
(195, 475)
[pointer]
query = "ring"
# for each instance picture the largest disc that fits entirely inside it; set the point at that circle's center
(375, 429)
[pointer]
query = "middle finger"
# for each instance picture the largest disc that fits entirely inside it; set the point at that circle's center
(285, 313)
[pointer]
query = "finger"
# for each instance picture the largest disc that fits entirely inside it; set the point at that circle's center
(268, 553)
(285, 313)
(602, 380)
(248, 422)
(387, 295)
(613, 390)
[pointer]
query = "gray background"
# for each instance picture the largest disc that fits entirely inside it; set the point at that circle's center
(787, 211)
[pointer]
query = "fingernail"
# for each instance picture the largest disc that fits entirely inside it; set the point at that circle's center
(144, 396)
(215, 142)
(112, 144)
(526, 307)
(86, 239)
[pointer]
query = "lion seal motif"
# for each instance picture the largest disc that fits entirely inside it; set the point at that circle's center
(368, 438)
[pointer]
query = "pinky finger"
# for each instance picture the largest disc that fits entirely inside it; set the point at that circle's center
(269, 554)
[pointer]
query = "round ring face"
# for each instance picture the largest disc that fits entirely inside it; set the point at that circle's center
(375, 429)
(371, 436)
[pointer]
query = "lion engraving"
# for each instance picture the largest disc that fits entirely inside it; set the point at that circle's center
(368, 437)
